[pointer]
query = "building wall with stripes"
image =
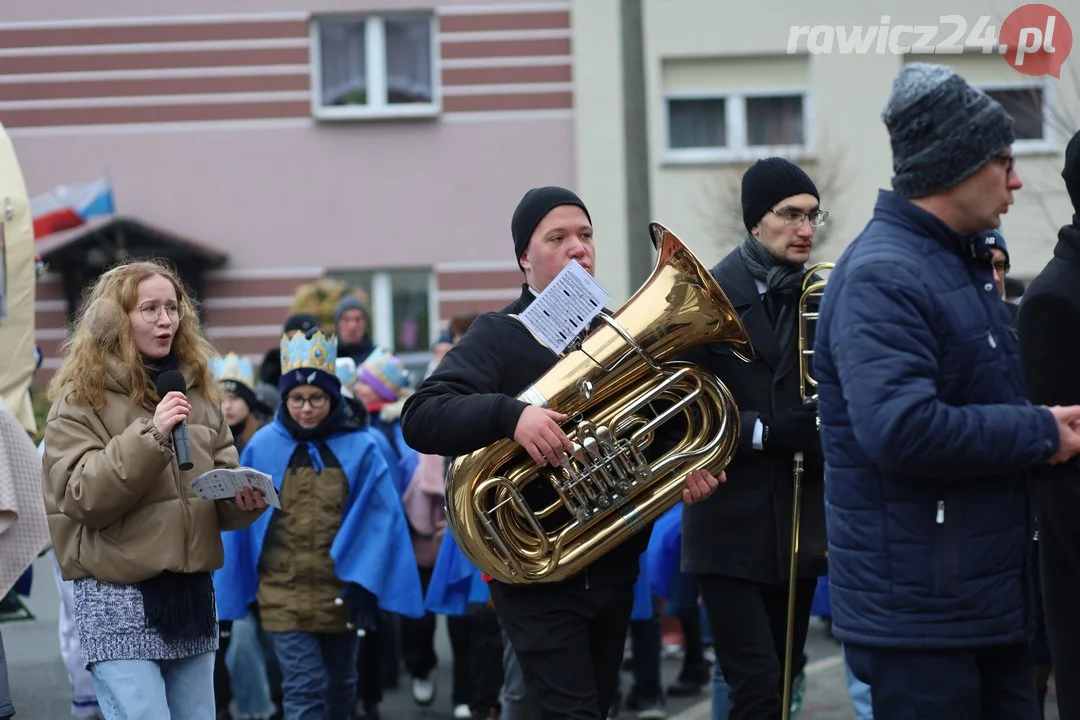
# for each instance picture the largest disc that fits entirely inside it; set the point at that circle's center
(202, 117)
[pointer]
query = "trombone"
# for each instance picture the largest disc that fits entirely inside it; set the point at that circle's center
(813, 288)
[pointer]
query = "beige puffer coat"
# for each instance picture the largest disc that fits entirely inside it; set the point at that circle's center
(119, 507)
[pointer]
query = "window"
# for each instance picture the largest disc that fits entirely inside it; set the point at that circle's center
(697, 123)
(772, 121)
(734, 125)
(373, 66)
(403, 311)
(1027, 105)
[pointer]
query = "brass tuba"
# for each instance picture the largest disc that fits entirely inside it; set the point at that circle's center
(813, 290)
(606, 490)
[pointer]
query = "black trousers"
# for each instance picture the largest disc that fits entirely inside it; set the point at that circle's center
(1059, 570)
(983, 684)
(748, 622)
(476, 644)
(377, 660)
(485, 656)
(569, 642)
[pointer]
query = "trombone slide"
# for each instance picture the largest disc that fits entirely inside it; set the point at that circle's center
(796, 502)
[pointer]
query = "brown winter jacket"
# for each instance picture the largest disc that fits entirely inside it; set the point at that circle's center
(119, 507)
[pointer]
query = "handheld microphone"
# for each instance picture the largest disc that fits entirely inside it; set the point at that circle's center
(173, 381)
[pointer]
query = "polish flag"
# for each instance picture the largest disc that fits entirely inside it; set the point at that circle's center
(69, 206)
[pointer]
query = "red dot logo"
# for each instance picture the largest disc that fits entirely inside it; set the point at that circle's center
(1036, 39)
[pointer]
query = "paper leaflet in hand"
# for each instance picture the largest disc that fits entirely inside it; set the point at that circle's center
(224, 483)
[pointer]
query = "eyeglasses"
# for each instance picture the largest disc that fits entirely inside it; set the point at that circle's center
(297, 401)
(817, 218)
(152, 311)
(1010, 162)
(1002, 267)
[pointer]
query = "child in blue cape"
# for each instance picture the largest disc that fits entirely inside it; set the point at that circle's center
(338, 548)
(381, 386)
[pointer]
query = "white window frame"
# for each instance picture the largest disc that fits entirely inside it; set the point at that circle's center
(382, 301)
(1049, 143)
(381, 309)
(737, 149)
(375, 65)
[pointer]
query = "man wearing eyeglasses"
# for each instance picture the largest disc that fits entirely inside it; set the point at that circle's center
(738, 542)
(928, 437)
(999, 257)
(999, 261)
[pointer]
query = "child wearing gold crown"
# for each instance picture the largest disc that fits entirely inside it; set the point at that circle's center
(338, 549)
(380, 385)
(243, 410)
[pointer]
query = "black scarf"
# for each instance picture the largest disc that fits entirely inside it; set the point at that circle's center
(157, 366)
(783, 284)
(180, 606)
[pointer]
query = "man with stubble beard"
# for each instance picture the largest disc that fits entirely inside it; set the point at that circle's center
(568, 635)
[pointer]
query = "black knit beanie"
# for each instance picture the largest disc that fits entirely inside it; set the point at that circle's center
(301, 321)
(767, 182)
(245, 393)
(537, 203)
(1071, 171)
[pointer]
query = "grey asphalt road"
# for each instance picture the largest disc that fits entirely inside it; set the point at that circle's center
(41, 691)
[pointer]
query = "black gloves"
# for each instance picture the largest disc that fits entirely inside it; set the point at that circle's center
(363, 608)
(792, 431)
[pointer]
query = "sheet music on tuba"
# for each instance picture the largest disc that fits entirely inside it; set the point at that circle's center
(565, 307)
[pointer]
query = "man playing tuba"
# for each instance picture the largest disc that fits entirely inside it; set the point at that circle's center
(568, 635)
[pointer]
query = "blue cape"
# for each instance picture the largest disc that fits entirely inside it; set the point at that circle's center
(664, 550)
(821, 606)
(456, 582)
(402, 459)
(372, 548)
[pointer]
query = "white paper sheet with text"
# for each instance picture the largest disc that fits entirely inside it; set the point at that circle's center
(565, 307)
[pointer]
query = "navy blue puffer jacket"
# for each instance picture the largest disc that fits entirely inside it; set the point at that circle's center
(927, 439)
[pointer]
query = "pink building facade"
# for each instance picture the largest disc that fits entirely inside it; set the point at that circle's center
(385, 144)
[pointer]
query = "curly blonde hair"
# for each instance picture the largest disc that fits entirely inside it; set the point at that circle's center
(102, 329)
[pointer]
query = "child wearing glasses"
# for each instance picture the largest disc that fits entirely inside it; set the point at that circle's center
(336, 551)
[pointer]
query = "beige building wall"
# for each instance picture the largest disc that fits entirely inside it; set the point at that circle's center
(211, 120)
(701, 48)
(600, 156)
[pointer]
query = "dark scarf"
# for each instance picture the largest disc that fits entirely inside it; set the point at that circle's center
(180, 606)
(782, 286)
(358, 351)
(160, 365)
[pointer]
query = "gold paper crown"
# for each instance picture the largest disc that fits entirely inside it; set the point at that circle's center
(318, 352)
(235, 368)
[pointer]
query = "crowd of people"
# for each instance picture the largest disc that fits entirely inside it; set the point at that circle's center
(938, 458)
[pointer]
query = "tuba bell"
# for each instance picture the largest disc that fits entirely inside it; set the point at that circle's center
(524, 524)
